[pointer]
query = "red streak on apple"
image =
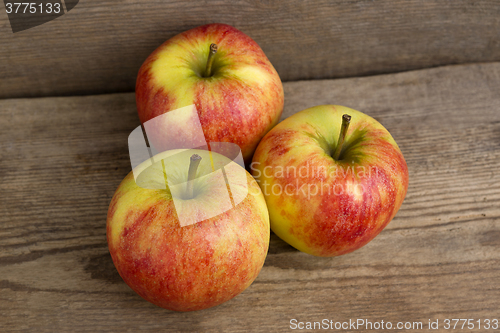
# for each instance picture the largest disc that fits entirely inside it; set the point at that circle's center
(279, 145)
(356, 223)
(240, 120)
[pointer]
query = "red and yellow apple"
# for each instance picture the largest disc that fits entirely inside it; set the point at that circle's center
(236, 90)
(330, 191)
(199, 265)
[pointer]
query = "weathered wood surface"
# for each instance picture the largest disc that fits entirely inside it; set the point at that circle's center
(62, 158)
(99, 46)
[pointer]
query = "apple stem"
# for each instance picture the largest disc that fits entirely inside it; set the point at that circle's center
(193, 166)
(346, 120)
(210, 60)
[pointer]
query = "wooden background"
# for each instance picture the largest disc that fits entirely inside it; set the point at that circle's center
(62, 158)
(99, 46)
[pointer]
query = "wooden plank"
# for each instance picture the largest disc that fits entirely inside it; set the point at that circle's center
(99, 46)
(62, 158)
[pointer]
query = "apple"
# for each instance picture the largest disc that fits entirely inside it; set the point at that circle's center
(330, 187)
(224, 73)
(196, 264)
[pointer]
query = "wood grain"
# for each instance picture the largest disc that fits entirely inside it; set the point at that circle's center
(99, 46)
(62, 158)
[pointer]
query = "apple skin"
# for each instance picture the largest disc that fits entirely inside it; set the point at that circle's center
(239, 103)
(192, 267)
(354, 205)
